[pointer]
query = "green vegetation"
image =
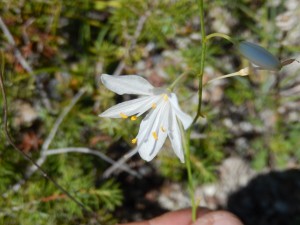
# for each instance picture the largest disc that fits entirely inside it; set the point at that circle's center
(68, 44)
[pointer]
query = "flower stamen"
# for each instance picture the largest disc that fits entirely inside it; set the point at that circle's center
(154, 134)
(166, 97)
(153, 106)
(134, 140)
(163, 129)
(133, 118)
(123, 115)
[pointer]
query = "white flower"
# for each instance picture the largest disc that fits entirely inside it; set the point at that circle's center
(160, 122)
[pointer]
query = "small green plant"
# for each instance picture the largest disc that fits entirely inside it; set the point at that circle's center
(55, 52)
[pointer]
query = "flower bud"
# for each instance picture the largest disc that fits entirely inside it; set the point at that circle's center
(259, 56)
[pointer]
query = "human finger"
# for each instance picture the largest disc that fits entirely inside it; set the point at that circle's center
(183, 217)
(218, 218)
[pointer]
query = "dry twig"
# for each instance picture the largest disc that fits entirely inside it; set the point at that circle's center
(120, 163)
(32, 169)
(133, 42)
(11, 142)
(92, 152)
(25, 64)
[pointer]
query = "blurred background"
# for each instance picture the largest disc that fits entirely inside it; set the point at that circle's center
(245, 152)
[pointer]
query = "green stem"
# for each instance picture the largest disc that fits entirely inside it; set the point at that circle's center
(186, 143)
(200, 83)
(219, 35)
(202, 60)
(171, 87)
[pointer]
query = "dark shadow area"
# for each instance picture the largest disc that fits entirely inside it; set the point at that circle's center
(269, 199)
(140, 194)
(139, 201)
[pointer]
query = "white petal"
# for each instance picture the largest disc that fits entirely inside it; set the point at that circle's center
(150, 104)
(148, 146)
(131, 107)
(145, 127)
(129, 84)
(175, 136)
(185, 119)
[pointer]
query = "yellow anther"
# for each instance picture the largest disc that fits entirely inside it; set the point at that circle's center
(133, 118)
(134, 140)
(123, 115)
(162, 129)
(166, 97)
(154, 134)
(153, 106)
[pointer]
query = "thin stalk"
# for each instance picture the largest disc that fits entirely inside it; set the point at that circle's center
(200, 83)
(219, 35)
(202, 60)
(243, 72)
(172, 86)
(186, 143)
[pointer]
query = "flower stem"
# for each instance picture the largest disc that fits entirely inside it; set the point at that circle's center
(186, 143)
(191, 188)
(202, 60)
(221, 36)
(171, 87)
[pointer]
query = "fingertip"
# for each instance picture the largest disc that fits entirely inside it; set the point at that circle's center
(183, 216)
(218, 218)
